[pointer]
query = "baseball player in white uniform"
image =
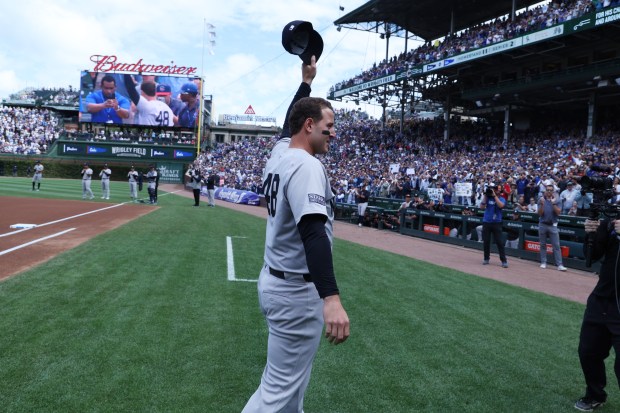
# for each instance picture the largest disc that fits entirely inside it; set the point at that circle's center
(133, 183)
(297, 288)
(151, 111)
(87, 174)
(105, 181)
(151, 176)
(38, 175)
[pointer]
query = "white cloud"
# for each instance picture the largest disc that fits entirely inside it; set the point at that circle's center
(46, 43)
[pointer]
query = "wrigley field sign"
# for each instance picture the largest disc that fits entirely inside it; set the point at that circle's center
(127, 151)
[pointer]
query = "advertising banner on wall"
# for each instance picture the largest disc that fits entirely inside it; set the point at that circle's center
(236, 196)
(127, 151)
(171, 173)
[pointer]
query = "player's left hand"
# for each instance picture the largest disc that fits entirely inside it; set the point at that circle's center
(336, 320)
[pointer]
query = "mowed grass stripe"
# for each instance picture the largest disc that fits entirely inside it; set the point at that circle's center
(53, 188)
(142, 318)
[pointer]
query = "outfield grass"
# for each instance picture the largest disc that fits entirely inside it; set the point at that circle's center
(65, 189)
(143, 319)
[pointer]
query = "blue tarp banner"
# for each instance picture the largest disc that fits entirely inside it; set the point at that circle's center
(236, 196)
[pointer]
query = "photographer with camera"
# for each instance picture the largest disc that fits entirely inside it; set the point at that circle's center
(600, 329)
(548, 212)
(493, 204)
(195, 182)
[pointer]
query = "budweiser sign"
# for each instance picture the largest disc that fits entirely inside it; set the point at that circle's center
(110, 63)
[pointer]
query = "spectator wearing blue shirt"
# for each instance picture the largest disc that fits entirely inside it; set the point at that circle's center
(189, 114)
(522, 184)
(106, 105)
(493, 204)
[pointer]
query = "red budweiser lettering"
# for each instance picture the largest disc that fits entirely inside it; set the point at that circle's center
(109, 64)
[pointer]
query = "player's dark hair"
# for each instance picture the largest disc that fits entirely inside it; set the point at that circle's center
(306, 108)
(148, 88)
(108, 78)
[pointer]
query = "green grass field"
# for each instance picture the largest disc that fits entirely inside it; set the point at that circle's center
(144, 319)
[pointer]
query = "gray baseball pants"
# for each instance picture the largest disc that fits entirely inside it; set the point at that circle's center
(553, 233)
(105, 188)
(86, 189)
(294, 314)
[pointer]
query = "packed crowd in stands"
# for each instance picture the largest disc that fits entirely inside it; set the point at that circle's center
(538, 18)
(27, 131)
(392, 164)
(48, 96)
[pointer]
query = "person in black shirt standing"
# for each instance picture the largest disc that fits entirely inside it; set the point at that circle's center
(211, 180)
(600, 329)
(361, 198)
(195, 182)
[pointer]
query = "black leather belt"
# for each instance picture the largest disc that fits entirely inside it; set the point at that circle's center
(280, 274)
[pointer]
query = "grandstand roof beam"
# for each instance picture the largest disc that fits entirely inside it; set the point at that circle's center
(425, 19)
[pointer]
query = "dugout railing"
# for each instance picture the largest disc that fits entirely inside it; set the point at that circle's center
(455, 228)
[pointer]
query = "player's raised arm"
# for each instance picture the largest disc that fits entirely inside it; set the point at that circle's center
(130, 85)
(308, 73)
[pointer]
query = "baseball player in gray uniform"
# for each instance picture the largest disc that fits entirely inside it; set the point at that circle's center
(105, 181)
(297, 289)
(87, 174)
(133, 183)
(151, 176)
(38, 175)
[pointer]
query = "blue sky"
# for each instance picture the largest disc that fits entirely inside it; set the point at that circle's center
(46, 43)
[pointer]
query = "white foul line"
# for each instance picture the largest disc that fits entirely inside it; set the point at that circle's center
(76, 216)
(35, 241)
(230, 260)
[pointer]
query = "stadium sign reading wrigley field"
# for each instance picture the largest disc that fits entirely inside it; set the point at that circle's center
(115, 150)
(105, 63)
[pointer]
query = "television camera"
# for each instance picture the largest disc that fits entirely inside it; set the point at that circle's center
(602, 190)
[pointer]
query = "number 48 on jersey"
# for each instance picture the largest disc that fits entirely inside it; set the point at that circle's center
(271, 187)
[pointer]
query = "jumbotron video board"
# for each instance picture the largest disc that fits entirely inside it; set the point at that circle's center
(139, 100)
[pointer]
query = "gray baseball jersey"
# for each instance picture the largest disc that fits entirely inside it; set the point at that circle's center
(88, 173)
(153, 113)
(295, 184)
(152, 178)
(38, 173)
(105, 173)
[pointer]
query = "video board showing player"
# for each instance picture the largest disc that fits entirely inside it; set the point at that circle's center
(139, 100)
